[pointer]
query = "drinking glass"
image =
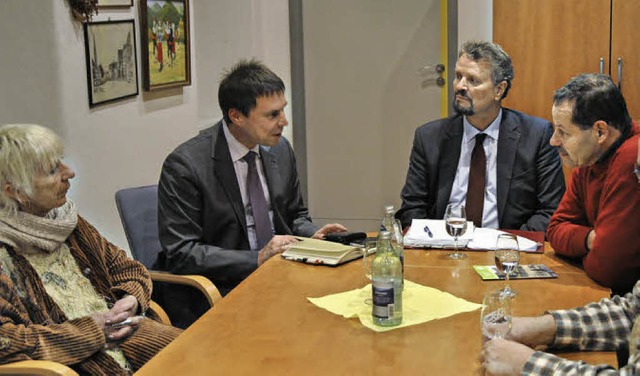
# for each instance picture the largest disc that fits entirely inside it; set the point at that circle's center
(507, 258)
(455, 219)
(368, 254)
(495, 317)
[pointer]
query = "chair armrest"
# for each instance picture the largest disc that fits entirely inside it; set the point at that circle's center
(159, 312)
(36, 367)
(199, 282)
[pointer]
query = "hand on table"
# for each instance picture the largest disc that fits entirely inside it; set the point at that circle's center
(327, 229)
(276, 245)
(503, 357)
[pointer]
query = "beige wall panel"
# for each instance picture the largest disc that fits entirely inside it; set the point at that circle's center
(364, 101)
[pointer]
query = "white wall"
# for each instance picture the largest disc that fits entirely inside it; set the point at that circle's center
(475, 20)
(123, 144)
(229, 30)
(43, 80)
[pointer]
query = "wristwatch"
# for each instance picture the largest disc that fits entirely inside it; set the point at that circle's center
(636, 170)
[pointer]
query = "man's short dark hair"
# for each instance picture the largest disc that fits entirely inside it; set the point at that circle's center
(596, 97)
(243, 84)
(501, 66)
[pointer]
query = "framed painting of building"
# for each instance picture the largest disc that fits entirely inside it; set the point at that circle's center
(166, 55)
(112, 68)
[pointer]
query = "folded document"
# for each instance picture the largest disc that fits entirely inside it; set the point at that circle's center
(486, 238)
(432, 233)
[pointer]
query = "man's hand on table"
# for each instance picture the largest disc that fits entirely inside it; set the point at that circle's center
(276, 245)
(327, 229)
(503, 357)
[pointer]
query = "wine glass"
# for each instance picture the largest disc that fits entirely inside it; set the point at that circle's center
(398, 243)
(507, 258)
(455, 219)
(368, 254)
(495, 317)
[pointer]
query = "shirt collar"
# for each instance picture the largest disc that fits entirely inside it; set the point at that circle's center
(493, 130)
(236, 149)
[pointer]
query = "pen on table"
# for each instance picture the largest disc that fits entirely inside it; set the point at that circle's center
(426, 229)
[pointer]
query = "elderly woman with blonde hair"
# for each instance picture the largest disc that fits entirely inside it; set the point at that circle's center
(66, 294)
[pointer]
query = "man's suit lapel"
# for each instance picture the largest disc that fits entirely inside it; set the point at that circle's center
(507, 147)
(448, 164)
(226, 174)
(270, 166)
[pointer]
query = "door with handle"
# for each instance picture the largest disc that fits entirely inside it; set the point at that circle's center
(371, 78)
(625, 46)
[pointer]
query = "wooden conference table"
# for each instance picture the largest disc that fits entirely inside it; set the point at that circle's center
(267, 326)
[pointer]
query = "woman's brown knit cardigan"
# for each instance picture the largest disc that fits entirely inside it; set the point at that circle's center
(32, 326)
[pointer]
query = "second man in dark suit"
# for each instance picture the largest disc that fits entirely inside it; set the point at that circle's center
(521, 180)
(229, 198)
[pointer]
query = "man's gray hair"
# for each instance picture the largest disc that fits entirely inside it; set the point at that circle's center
(501, 66)
(26, 150)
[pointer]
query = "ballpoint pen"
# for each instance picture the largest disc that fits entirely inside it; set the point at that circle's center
(428, 231)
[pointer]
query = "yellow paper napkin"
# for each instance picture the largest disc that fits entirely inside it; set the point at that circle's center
(419, 304)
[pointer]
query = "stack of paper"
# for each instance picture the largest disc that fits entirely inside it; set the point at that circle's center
(486, 238)
(432, 233)
(473, 238)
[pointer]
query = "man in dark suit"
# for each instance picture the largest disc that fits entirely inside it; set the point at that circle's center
(229, 198)
(522, 182)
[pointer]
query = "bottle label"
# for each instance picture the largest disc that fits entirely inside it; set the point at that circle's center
(383, 299)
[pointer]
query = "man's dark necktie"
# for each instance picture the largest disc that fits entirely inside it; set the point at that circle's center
(258, 202)
(477, 181)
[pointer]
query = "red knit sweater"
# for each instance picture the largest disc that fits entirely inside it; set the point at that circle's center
(605, 197)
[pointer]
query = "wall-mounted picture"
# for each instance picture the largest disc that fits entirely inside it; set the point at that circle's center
(112, 69)
(166, 60)
(115, 3)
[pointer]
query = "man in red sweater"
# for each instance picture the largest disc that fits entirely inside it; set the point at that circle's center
(598, 219)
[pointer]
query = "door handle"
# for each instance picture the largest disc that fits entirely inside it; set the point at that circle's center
(602, 65)
(620, 73)
(432, 74)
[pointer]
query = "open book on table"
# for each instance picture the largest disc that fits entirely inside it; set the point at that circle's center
(315, 251)
(432, 233)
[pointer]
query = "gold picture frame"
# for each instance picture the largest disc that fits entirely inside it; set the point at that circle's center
(165, 41)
